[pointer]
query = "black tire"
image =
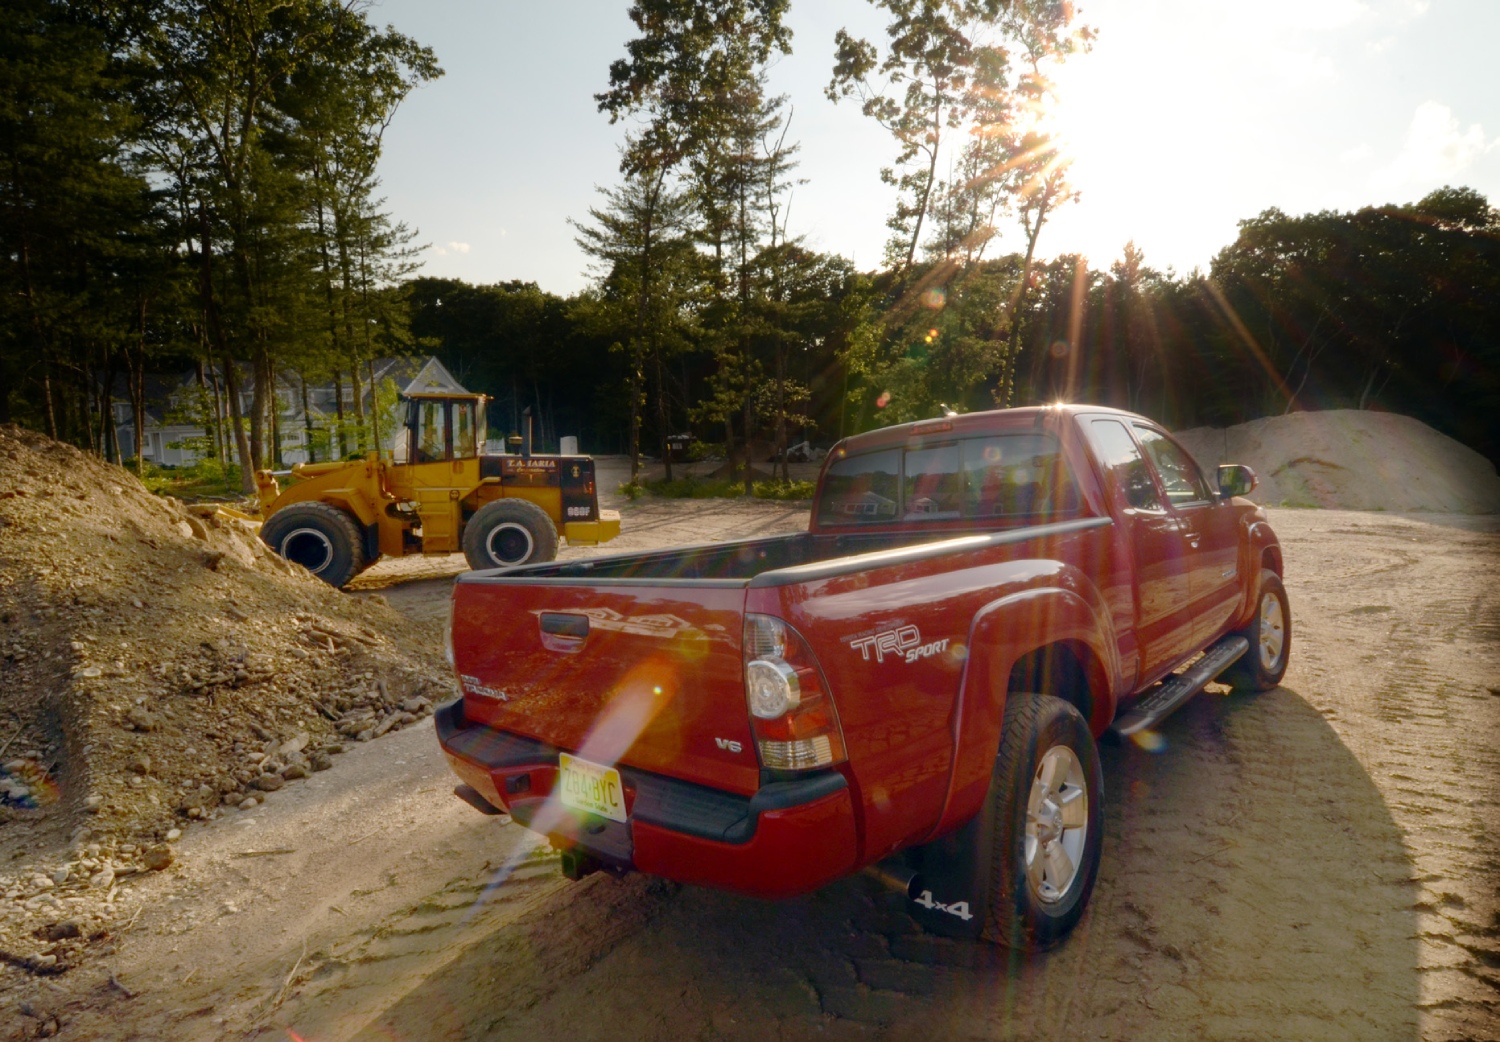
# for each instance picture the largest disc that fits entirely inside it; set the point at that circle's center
(320, 537)
(509, 532)
(1046, 802)
(1270, 635)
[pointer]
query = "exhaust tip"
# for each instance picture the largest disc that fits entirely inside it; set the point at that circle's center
(894, 875)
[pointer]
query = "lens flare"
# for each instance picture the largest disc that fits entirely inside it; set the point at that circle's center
(1151, 741)
(883, 400)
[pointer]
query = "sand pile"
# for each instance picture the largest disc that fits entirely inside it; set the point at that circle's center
(157, 669)
(1349, 459)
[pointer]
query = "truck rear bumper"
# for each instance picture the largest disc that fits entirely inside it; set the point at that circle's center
(788, 838)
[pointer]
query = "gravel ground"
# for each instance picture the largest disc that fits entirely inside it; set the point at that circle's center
(1316, 862)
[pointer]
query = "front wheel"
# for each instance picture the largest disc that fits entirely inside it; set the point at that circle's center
(1046, 797)
(508, 532)
(1270, 635)
(320, 537)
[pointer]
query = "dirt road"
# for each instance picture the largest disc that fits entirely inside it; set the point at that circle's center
(1317, 862)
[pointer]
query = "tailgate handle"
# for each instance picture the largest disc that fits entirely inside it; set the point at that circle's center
(565, 625)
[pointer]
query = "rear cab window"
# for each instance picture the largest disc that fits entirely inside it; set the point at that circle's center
(1022, 475)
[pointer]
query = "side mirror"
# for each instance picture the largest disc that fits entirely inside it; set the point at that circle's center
(1235, 479)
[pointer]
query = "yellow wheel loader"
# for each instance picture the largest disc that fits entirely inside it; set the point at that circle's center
(438, 495)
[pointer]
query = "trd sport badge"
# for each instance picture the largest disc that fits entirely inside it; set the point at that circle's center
(903, 644)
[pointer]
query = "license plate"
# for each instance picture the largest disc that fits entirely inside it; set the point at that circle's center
(591, 787)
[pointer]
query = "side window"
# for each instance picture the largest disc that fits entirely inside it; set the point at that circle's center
(463, 430)
(934, 484)
(1179, 474)
(861, 489)
(429, 431)
(1120, 456)
(1016, 474)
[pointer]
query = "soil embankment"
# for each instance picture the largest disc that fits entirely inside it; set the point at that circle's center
(1349, 459)
(157, 670)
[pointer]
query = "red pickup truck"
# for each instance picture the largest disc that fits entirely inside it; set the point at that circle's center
(913, 685)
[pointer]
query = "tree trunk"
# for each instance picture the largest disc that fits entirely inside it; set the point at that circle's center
(374, 404)
(307, 424)
(1007, 391)
(663, 424)
(749, 452)
(336, 443)
(232, 391)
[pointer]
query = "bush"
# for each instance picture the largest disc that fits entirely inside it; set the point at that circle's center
(631, 490)
(696, 488)
(784, 489)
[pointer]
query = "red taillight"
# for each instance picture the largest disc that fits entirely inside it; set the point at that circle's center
(792, 714)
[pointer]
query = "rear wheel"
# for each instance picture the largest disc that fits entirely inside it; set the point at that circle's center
(509, 532)
(1046, 798)
(1270, 635)
(320, 537)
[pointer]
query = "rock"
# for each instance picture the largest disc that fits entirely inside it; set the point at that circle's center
(45, 962)
(173, 835)
(184, 529)
(294, 745)
(212, 559)
(269, 782)
(321, 761)
(143, 719)
(248, 803)
(60, 875)
(64, 930)
(91, 671)
(196, 526)
(103, 879)
(140, 763)
(414, 705)
(293, 772)
(157, 858)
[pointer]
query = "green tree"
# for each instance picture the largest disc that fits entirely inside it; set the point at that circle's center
(647, 269)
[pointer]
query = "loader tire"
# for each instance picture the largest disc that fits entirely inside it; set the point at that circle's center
(320, 537)
(509, 532)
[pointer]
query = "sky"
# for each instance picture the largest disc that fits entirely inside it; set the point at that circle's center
(1185, 118)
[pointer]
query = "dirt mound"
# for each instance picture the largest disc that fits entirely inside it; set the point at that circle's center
(1349, 459)
(156, 669)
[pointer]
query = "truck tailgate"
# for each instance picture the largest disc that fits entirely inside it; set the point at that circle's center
(644, 674)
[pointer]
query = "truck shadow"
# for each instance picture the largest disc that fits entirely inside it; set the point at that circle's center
(1254, 885)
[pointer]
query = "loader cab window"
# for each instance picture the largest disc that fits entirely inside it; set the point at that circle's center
(463, 430)
(428, 427)
(444, 429)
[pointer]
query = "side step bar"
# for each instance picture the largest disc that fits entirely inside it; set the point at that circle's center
(1177, 689)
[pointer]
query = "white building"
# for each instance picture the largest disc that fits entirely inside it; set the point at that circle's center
(178, 410)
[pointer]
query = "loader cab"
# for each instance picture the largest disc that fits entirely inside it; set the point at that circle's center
(443, 427)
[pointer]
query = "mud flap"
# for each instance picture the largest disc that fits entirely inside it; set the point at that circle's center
(952, 892)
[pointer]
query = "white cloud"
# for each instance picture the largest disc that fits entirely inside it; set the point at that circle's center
(459, 247)
(1358, 154)
(1436, 149)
